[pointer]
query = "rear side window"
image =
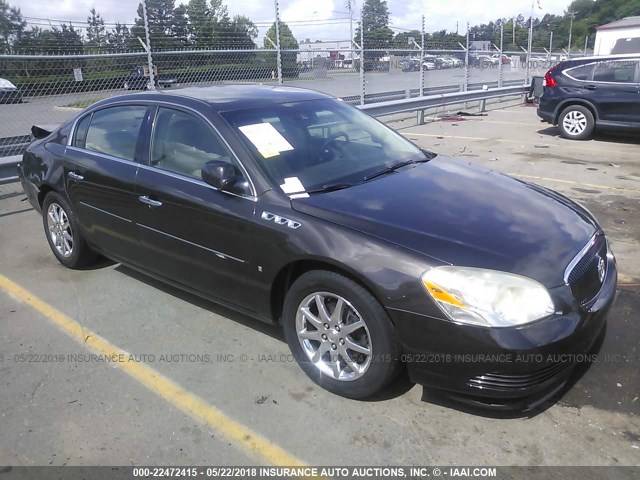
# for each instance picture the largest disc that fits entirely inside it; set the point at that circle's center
(619, 71)
(583, 72)
(114, 131)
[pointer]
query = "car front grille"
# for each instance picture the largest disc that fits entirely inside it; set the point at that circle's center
(586, 277)
(517, 381)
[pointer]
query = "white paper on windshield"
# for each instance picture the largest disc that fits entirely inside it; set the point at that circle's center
(293, 187)
(266, 139)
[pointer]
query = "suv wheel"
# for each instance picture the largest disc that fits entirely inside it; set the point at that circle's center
(576, 122)
(340, 335)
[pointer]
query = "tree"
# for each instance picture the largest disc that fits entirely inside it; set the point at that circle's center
(200, 24)
(118, 37)
(12, 26)
(180, 25)
(160, 22)
(96, 31)
(377, 34)
(241, 32)
(287, 42)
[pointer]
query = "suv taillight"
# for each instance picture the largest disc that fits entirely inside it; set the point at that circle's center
(549, 80)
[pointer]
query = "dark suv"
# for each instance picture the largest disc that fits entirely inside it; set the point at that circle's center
(585, 93)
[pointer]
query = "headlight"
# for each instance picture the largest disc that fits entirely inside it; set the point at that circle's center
(487, 297)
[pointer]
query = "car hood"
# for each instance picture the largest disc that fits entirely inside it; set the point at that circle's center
(464, 214)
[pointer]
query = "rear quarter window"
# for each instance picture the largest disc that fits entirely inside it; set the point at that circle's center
(583, 72)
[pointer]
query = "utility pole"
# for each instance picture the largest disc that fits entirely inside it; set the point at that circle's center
(550, 44)
(278, 45)
(586, 44)
(572, 15)
(350, 7)
(530, 43)
(513, 38)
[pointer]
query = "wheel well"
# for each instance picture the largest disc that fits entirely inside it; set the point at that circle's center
(44, 189)
(291, 272)
(586, 105)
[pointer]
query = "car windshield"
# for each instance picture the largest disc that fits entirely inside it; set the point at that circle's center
(6, 84)
(319, 143)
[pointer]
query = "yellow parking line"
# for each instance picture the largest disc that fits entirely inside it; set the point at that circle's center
(508, 140)
(177, 396)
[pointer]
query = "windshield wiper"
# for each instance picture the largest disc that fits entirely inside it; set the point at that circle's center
(330, 188)
(393, 168)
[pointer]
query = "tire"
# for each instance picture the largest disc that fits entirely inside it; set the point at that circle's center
(365, 327)
(576, 123)
(67, 243)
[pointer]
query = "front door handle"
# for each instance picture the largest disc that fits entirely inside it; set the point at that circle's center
(75, 176)
(152, 203)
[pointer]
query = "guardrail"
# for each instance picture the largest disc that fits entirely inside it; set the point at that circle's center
(420, 104)
(393, 103)
(415, 92)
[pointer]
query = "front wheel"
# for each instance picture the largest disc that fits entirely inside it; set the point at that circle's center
(576, 123)
(63, 234)
(340, 335)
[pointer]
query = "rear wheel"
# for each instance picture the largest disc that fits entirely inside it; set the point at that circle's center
(62, 232)
(340, 335)
(576, 122)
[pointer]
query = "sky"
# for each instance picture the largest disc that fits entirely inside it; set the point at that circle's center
(314, 19)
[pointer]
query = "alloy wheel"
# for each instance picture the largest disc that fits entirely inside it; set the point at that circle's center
(60, 231)
(574, 122)
(334, 336)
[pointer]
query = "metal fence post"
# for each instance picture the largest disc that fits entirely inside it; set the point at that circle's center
(278, 47)
(152, 79)
(363, 86)
(466, 62)
(529, 47)
(500, 73)
(421, 60)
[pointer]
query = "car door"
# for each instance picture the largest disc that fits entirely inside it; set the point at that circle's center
(614, 88)
(100, 170)
(190, 232)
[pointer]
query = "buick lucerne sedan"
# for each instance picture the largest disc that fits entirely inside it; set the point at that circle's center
(373, 254)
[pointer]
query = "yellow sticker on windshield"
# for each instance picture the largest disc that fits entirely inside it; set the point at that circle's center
(266, 139)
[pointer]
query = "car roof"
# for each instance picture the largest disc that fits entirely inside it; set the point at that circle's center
(238, 97)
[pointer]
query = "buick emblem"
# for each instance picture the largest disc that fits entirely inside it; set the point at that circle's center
(601, 268)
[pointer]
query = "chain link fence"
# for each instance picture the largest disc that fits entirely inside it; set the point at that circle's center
(53, 85)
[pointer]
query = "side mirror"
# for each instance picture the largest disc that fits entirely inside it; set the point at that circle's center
(223, 176)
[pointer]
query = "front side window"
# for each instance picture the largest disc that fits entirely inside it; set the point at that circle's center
(182, 143)
(321, 142)
(616, 71)
(114, 131)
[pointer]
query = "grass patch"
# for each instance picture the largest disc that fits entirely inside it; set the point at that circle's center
(82, 103)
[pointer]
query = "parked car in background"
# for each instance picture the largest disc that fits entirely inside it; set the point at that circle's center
(300, 210)
(444, 62)
(429, 62)
(410, 64)
(503, 59)
(584, 94)
(139, 79)
(485, 61)
(9, 93)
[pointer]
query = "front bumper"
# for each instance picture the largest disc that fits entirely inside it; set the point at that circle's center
(509, 368)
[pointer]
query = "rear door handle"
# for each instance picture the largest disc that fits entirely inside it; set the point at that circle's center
(75, 176)
(590, 87)
(152, 203)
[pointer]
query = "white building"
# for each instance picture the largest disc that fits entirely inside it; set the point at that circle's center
(622, 36)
